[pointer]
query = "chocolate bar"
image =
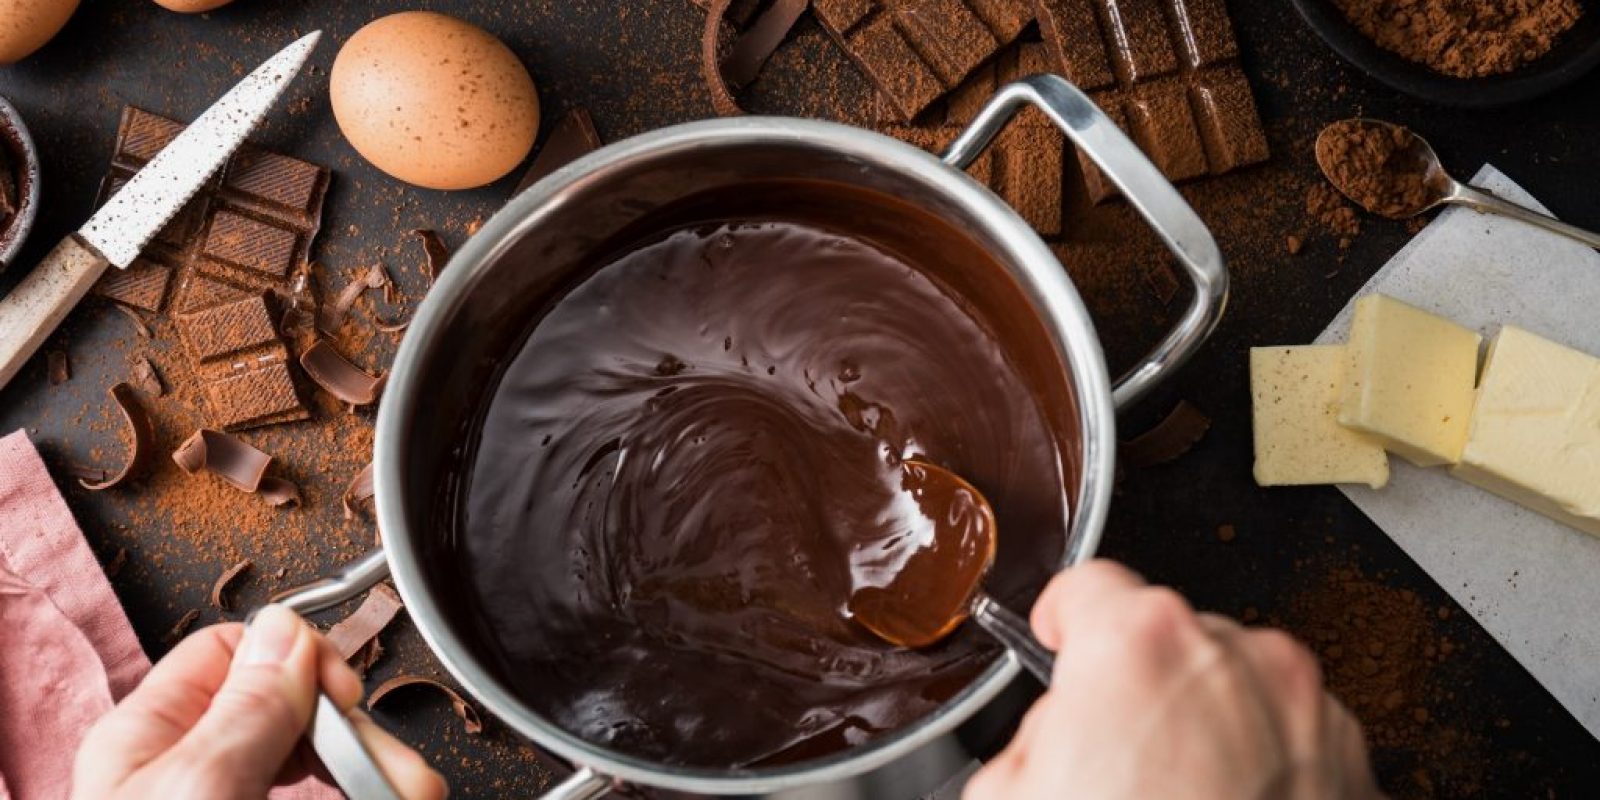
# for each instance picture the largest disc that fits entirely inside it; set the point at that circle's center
(244, 233)
(916, 51)
(242, 363)
(1167, 72)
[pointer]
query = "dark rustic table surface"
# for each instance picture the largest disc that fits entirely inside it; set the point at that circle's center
(1463, 719)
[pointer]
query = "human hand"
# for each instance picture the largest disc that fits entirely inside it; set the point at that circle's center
(1150, 699)
(221, 717)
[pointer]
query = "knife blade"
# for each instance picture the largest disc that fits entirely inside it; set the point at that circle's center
(133, 216)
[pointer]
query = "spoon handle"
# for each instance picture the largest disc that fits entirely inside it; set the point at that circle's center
(1477, 199)
(1013, 632)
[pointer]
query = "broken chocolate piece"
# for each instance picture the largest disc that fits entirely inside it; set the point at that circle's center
(242, 363)
(146, 377)
(367, 656)
(574, 137)
(141, 438)
(1171, 438)
(240, 465)
(60, 370)
(915, 51)
(468, 714)
(1159, 279)
(180, 628)
(219, 597)
(1167, 72)
(363, 625)
(433, 247)
(246, 230)
(338, 376)
(359, 490)
(117, 562)
(750, 50)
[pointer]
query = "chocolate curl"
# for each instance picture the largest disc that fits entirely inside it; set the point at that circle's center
(332, 315)
(338, 377)
(573, 138)
(139, 325)
(1171, 438)
(359, 490)
(181, 627)
(352, 633)
(234, 461)
(367, 656)
(148, 380)
(118, 561)
(219, 597)
(59, 368)
(141, 434)
(468, 714)
(433, 246)
(750, 51)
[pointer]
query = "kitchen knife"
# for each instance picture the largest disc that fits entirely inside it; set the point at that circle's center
(133, 216)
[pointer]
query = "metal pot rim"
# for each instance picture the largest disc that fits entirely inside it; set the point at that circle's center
(1048, 287)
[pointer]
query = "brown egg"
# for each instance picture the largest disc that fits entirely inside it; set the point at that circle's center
(25, 25)
(434, 101)
(192, 6)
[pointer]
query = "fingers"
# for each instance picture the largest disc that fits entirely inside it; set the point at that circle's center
(406, 770)
(337, 678)
(1075, 592)
(261, 709)
(156, 714)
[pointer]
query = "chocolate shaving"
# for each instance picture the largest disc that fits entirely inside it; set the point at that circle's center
(59, 368)
(242, 466)
(468, 714)
(757, 44)
(367, 656)
(180, 627)
(338, 376)
(359, 490)
(392, 327)
(146, 377)
(139, 325)
(332, 315)
(434, 247)
(1171, 438)
(711, 66)
(141, 436)
(118, 561)
(573, 138)
(84, 473)
(219, 589)
(374, 614)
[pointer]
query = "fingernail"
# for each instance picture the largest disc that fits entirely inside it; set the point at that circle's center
(271, 636)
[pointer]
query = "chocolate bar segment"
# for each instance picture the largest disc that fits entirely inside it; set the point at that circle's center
(916, 51)
(142, 285)
(255, 397)
(226, 330)
(1167, 72)
(242, 363)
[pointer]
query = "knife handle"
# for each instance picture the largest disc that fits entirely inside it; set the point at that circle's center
(38, 304)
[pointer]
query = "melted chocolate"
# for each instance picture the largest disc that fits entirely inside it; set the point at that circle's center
(688, 468)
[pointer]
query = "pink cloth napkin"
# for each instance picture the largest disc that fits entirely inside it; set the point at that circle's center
(69, 651)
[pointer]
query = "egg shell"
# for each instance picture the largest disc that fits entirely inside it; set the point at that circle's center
(25, 25)
(434, 101)
(192, 6)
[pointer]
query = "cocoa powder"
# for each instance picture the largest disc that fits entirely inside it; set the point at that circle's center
(1378, 166)
(1464, 38)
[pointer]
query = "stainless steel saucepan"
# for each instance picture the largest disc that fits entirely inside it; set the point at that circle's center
(526, 252)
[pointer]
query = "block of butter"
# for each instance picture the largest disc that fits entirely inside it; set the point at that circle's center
(1410, 380)
(1535, 436)
(1294, 407)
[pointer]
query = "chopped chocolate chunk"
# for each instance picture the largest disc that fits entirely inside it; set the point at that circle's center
(146, 377)
(114, 567)
(338, 377)
(468, 714)
(359, 490)
(181, 627)
(369, 619)
(915, 51)
(1170, 439)
(240, 465)
(574, 137)
(60, 370)
(219, 597)
(141, 439)
(1159, 279)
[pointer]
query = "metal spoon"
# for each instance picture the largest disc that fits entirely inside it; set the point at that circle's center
(940, 584)
(1441, 189)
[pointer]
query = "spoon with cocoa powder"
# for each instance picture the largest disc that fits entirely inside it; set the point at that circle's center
(948, 543)
(1392, 172)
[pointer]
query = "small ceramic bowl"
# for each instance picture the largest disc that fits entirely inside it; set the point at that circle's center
(23, 158)
(1576, 53)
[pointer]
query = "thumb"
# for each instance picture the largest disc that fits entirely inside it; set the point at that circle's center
(260, 713)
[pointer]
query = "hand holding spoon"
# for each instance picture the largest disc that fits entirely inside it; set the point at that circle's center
(940, 584)
(1392, 172)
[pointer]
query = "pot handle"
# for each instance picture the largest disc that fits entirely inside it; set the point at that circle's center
(1146, 189)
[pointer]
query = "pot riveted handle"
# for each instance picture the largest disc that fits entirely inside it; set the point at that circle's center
(1146, 189)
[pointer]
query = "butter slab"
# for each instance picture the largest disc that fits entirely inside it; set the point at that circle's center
(1294, 408)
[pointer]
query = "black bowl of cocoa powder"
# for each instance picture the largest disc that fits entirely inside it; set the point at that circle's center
(19, 183)
(1463, 53)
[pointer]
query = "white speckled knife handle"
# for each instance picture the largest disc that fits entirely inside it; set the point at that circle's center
(38, 304)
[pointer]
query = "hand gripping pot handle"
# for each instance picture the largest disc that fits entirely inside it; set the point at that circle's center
(1146, 189)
